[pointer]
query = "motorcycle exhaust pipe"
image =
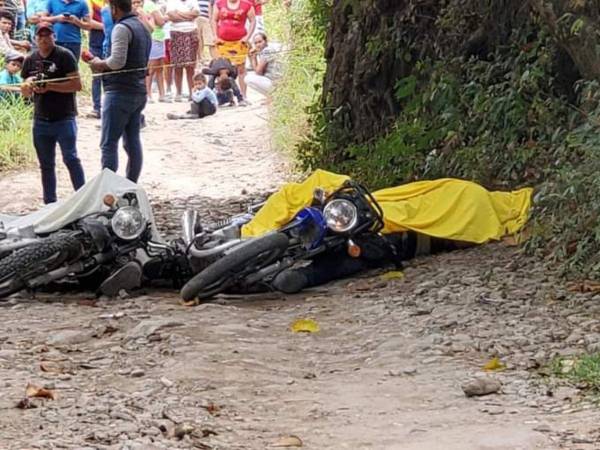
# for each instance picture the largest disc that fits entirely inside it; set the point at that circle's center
(188, 223)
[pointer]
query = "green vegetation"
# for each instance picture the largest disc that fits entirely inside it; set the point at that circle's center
(16, 146)
(304, 67)
(504, 112)
(583, 371)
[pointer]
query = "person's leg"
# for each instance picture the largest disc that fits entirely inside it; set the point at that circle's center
(236, 90)
(44, 141)
(96, 82)
(259, 83)
(326, 267)
(200, 31)
(67, 139)
(131, 139)
(168, 69)
(157, 73)
(178, 80)
(241, 76)
(114, 118)
(206, 108)
(189, 73)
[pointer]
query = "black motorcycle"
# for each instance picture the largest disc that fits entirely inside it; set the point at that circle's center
(98, 249)
(330, 223)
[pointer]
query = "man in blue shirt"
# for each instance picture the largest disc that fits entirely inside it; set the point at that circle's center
(34, 11)
(69, 18)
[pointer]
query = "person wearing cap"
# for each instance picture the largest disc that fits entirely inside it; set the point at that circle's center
(9, 77)
(55, 108)
(124, 88)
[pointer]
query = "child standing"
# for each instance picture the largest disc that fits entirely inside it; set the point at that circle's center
(204, 100)
(10, 79)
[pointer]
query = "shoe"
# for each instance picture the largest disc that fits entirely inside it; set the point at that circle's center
(150, 100)
(290, 281)
(180, 99)
(127, 277)
(164, 99)
(93, 115)
(243, 103)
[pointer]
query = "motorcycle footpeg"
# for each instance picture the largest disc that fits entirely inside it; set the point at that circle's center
(127, 277)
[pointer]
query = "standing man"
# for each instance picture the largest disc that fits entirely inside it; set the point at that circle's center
(69, 18)
(55, 108)
(125, 90)
(96, 41)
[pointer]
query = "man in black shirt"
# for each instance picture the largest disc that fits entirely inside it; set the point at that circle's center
(55, 108)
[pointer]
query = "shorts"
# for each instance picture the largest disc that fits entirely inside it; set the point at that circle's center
(184, 47)
(234, 51)
(205, 32)
(158, 50)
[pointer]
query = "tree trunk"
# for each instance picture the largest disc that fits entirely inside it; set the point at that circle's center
(576, 26)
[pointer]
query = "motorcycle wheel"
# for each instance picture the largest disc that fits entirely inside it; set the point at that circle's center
(34, 260)
(226, 271)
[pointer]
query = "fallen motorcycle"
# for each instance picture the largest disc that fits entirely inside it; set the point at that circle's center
(332, 221)
(94, 247)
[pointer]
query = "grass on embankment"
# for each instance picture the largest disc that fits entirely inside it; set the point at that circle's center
(16, 144)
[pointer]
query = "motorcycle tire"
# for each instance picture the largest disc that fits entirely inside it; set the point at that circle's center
(222, 273)
(34, 260)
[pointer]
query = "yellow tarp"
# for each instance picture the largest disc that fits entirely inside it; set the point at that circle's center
(446, 208)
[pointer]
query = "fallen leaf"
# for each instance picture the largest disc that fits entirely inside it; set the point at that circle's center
(392, 275)
(190, 303)
(494, 364)
(46, 366)
(35, 391)
(288, 441)
(305, 326)
(584, 286)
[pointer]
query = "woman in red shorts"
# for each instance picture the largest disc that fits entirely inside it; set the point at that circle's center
(229, 26)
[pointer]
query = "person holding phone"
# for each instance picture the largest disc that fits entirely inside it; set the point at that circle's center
(69, 18)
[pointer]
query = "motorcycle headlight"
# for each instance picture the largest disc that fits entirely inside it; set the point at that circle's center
(341, 215)
(128, 223)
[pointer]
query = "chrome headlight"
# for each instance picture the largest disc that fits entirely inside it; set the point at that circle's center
(341, 215)
(128, 223)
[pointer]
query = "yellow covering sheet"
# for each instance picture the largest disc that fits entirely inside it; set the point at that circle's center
(445, 208)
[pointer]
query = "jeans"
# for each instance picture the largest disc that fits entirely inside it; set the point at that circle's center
(20, 21)
(203, 109)
(73, 47)
(96, 50)
(121, 117)
(225, 97)
(45, 136)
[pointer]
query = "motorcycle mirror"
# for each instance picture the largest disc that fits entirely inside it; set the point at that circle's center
(189, 222)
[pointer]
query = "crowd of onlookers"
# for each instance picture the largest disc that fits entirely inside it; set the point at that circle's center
(217, 47)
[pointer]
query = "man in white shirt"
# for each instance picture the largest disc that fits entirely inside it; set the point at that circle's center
(184, 41)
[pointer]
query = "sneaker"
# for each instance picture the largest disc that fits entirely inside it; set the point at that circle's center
(180, 99)
(150, 100)
(243, 103)
(164, 99)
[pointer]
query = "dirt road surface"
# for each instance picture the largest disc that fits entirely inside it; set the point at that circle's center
(384, 372)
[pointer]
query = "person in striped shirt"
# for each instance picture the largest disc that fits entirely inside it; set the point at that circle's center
(206, 37)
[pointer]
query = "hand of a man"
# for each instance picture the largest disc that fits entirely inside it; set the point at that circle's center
(40, 89)
(96, 64)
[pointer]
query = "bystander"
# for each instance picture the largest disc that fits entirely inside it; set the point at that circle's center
(55, 108)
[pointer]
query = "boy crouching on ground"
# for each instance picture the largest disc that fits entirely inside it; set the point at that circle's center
(204, 101)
